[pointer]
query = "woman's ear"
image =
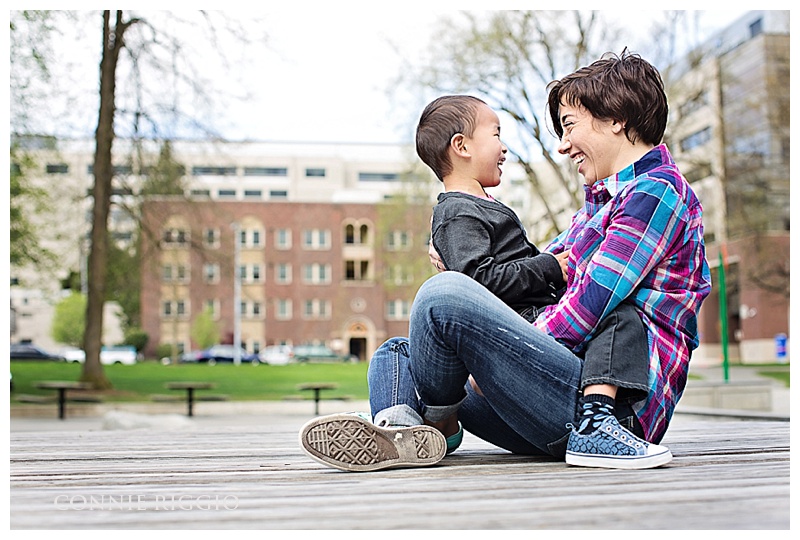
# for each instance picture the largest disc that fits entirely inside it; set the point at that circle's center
(458, 145)
(618, 126)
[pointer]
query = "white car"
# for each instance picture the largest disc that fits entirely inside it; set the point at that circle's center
(108, 355)
(276, 355)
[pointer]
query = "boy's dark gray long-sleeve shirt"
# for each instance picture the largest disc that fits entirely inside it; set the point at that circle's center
(485, 240)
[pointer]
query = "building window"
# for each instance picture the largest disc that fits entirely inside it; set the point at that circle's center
(176, 238)
(356, 270)
(176, 273)
(316, 239)
(283, 274)
(398, 241)
(255, 276)
(399, 274)
(226, 193)
(174, 308)
(315, 173)
(283, 309)
(317, 274)
(213, 171)
(200, 193)
(212, 306)
(252, 193)
(316, 309)
(278, 194)
(211, 273)
(256, 310)
(398, 310)
(256, 236)
(698, 138)
(355, 234)
(57, 168)
(266, 171)
(377, 177)
(283, 239)
(211, 238)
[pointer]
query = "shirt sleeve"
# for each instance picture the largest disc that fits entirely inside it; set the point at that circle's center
(632, 240)
(465, 245)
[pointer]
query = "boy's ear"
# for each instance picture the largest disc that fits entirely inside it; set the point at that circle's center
(458, 145)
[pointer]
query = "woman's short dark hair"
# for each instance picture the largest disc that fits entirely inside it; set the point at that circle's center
(624, 88)
(441, 119)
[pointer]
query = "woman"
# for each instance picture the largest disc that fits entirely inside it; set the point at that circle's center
(472, 360)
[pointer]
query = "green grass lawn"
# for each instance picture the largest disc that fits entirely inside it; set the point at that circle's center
(239, 383)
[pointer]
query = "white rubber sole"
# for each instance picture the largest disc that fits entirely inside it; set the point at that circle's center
(350, 443)
(619, 462)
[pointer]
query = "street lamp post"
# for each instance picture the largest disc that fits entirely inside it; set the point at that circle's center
(237, 293)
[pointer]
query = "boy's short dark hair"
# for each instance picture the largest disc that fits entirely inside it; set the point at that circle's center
(625, 88)
(441, 119)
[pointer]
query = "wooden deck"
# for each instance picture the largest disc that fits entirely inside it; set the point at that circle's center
(725, 475)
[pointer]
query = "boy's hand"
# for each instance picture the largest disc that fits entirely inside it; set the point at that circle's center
(433, 255)
(562, 259)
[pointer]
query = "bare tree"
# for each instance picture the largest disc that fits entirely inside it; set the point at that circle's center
(160, 77)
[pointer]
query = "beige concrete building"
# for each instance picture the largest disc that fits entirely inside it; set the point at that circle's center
(729, 132)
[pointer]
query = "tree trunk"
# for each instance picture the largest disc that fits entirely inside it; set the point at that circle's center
(103, 173)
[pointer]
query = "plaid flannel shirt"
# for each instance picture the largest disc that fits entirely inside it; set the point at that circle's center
(638, 238)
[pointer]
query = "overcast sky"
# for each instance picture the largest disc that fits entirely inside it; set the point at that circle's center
(325, 73)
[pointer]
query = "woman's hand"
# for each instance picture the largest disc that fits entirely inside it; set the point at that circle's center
(433, 255)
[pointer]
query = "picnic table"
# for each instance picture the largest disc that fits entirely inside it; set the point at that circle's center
(317, 387)
(61, 388)
(189, 387)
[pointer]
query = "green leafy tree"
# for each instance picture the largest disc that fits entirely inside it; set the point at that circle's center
(25, 245)
(205, 332)
(69, 320)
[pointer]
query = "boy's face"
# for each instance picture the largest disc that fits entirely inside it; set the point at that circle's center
(589, 142)
(487, 151)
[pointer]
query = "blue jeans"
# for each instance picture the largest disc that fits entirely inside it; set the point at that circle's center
(530, 382)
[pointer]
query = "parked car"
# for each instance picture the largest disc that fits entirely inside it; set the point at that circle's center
(221, 353)
(277, 355)
(29, 351)
(320, 353)
(120, 354)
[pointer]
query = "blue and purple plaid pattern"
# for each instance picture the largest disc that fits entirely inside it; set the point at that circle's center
(639, 237)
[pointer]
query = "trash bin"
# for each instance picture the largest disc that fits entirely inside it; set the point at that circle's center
(780, 348)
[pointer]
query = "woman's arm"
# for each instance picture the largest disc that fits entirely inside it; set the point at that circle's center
(614, 257)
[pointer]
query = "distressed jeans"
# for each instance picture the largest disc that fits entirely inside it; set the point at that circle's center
(530, 383)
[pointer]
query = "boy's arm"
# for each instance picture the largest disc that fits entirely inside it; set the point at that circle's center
(638, 238)
(464, 245)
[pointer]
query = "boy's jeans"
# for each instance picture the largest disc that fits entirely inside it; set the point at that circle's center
(457, 327)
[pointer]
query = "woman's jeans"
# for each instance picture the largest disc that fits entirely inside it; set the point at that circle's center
(530, 382)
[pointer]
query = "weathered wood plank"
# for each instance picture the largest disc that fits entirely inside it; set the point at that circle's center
(731, 475)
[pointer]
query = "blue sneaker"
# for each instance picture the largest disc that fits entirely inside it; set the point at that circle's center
(351, 442)
(612, 446)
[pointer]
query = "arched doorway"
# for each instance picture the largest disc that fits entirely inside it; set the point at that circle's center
(358, 336)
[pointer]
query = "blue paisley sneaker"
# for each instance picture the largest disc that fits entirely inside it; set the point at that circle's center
(350, 442)
(613, 447)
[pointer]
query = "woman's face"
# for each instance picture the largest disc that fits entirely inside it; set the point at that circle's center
(590, 143)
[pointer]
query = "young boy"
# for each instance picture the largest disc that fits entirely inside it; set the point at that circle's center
(458, 137)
